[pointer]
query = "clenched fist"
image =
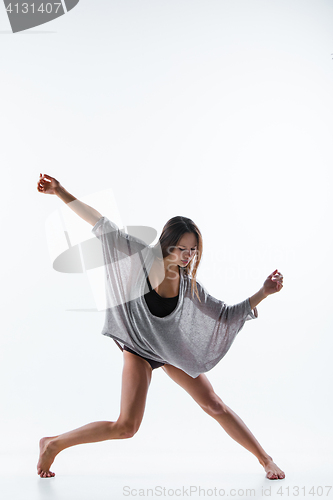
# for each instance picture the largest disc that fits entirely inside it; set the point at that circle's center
(273, 283)
(47, 184)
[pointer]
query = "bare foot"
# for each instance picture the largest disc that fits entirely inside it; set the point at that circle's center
(273, 471)
(47, 454)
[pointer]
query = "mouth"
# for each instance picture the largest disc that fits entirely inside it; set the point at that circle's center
(185, 261)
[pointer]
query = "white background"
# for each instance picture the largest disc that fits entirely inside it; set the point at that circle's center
(221, 111)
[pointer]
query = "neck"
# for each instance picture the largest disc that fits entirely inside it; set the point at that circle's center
(171, 271)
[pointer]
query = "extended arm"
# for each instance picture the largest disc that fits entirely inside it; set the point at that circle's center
(272, 284)
(49, 185)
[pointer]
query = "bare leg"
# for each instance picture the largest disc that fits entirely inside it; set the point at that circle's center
(136, 379)
(203, 393)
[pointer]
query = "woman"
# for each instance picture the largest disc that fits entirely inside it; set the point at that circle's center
(169, 300)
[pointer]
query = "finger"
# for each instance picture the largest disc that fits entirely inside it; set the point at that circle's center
(48, 177)
(272, 274)
(277, 275)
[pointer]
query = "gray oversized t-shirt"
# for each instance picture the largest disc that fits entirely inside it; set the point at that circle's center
(194, 337)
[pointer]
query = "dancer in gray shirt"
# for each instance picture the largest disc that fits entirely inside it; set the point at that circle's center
(160, 316)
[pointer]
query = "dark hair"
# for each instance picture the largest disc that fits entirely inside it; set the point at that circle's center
(172, 232)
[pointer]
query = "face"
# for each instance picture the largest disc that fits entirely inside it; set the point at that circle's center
(185, 250)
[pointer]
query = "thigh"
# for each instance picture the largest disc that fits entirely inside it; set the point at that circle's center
(136, 379)
(199, 388)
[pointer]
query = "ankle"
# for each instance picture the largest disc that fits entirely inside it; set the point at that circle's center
(53, 445)
(264, 460)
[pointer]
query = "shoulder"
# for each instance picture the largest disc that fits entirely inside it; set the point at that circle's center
(190, 283)
(115, 239)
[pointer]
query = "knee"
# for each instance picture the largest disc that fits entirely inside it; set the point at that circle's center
(127, 428)
(214, 406)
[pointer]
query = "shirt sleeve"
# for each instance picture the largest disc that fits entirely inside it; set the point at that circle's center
(215, 324)
(216, 308)
(123, 256)
(240, 311)
(101, 225)
(116, 243)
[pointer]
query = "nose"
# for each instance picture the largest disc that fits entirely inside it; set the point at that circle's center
(186, 254)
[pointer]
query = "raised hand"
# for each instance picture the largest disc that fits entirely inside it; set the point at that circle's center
(47, 184)
(273, 283)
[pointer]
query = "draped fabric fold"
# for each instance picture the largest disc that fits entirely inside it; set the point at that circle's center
(194, 337)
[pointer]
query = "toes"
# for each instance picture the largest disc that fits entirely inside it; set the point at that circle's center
(47, 474)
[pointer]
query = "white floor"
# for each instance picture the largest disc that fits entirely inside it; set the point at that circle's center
(86, 476)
